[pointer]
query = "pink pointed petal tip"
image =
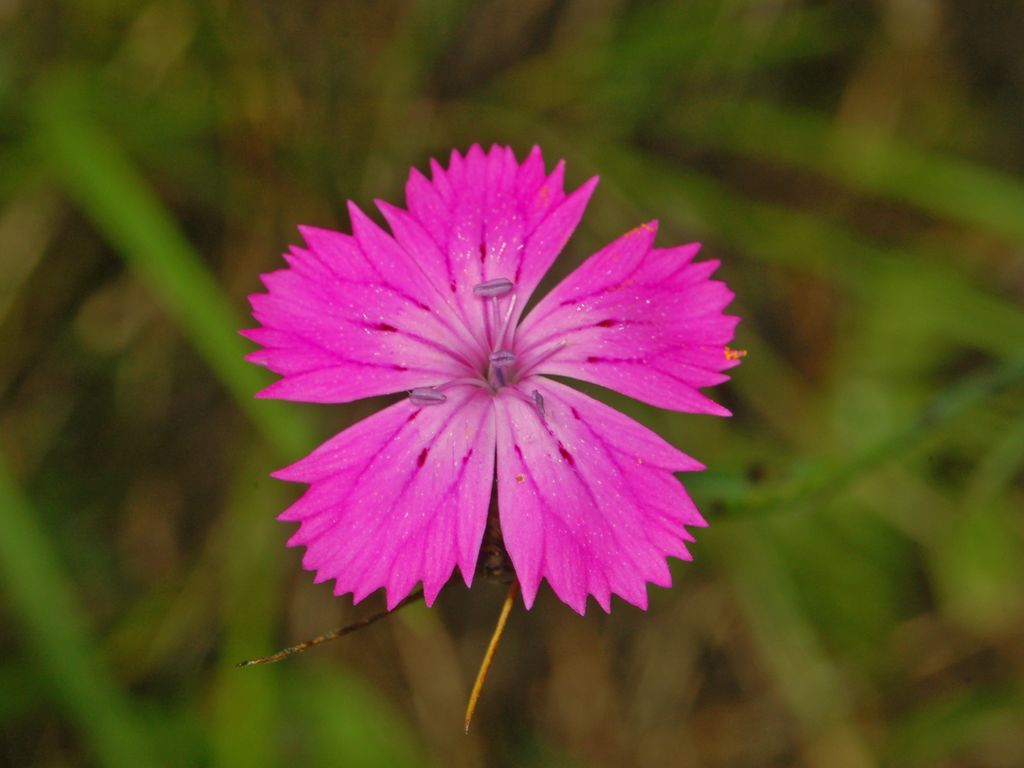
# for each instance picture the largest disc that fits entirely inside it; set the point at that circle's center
(398, 498)
(643, 321)
(485, 216)
(350, 318)
(588, 498)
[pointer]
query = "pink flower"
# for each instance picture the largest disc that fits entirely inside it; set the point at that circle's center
(587, 497)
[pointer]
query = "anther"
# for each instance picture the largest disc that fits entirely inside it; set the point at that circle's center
(426, 396)
(502, 358)
(499, 286)
(538, 400)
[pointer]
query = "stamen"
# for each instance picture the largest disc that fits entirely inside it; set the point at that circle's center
(538, 400)
(493, 320)
(422, 396)
(502, 358)
(499, 286)
(504, 323)
(529, 364)
(471, 381)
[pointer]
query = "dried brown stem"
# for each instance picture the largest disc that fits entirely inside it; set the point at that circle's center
(333, 635)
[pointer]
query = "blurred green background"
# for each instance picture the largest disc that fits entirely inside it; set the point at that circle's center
(857, 166)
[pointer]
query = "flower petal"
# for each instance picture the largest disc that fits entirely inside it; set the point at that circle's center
(351, 318)
(398, 498)
(587, 496)
(646, 322)
(487, 217)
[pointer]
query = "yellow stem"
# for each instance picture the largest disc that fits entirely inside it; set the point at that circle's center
(485, 665)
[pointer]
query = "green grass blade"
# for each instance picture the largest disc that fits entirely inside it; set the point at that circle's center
(807, 679)
(102, 180)
(829, 479)
(110, 191)
(58, 639)
(945, 186)
(939, 730)
(246, 708)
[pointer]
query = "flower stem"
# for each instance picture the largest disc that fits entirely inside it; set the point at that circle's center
(332, 635)
(485, 665)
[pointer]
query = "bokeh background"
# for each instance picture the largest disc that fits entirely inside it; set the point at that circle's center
(858, 167)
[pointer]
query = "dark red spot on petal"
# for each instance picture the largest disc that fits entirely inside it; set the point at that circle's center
(566, 455)
(399, 368)
(412, 416)
(386, 327)
(519, 452)
(451, 284)
(575, 413)
(607, 323)
(593, 359)
(422, 457)
(483, 252)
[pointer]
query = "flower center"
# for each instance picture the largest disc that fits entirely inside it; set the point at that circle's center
(501, 360)
(500, 368)
(497, 316)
